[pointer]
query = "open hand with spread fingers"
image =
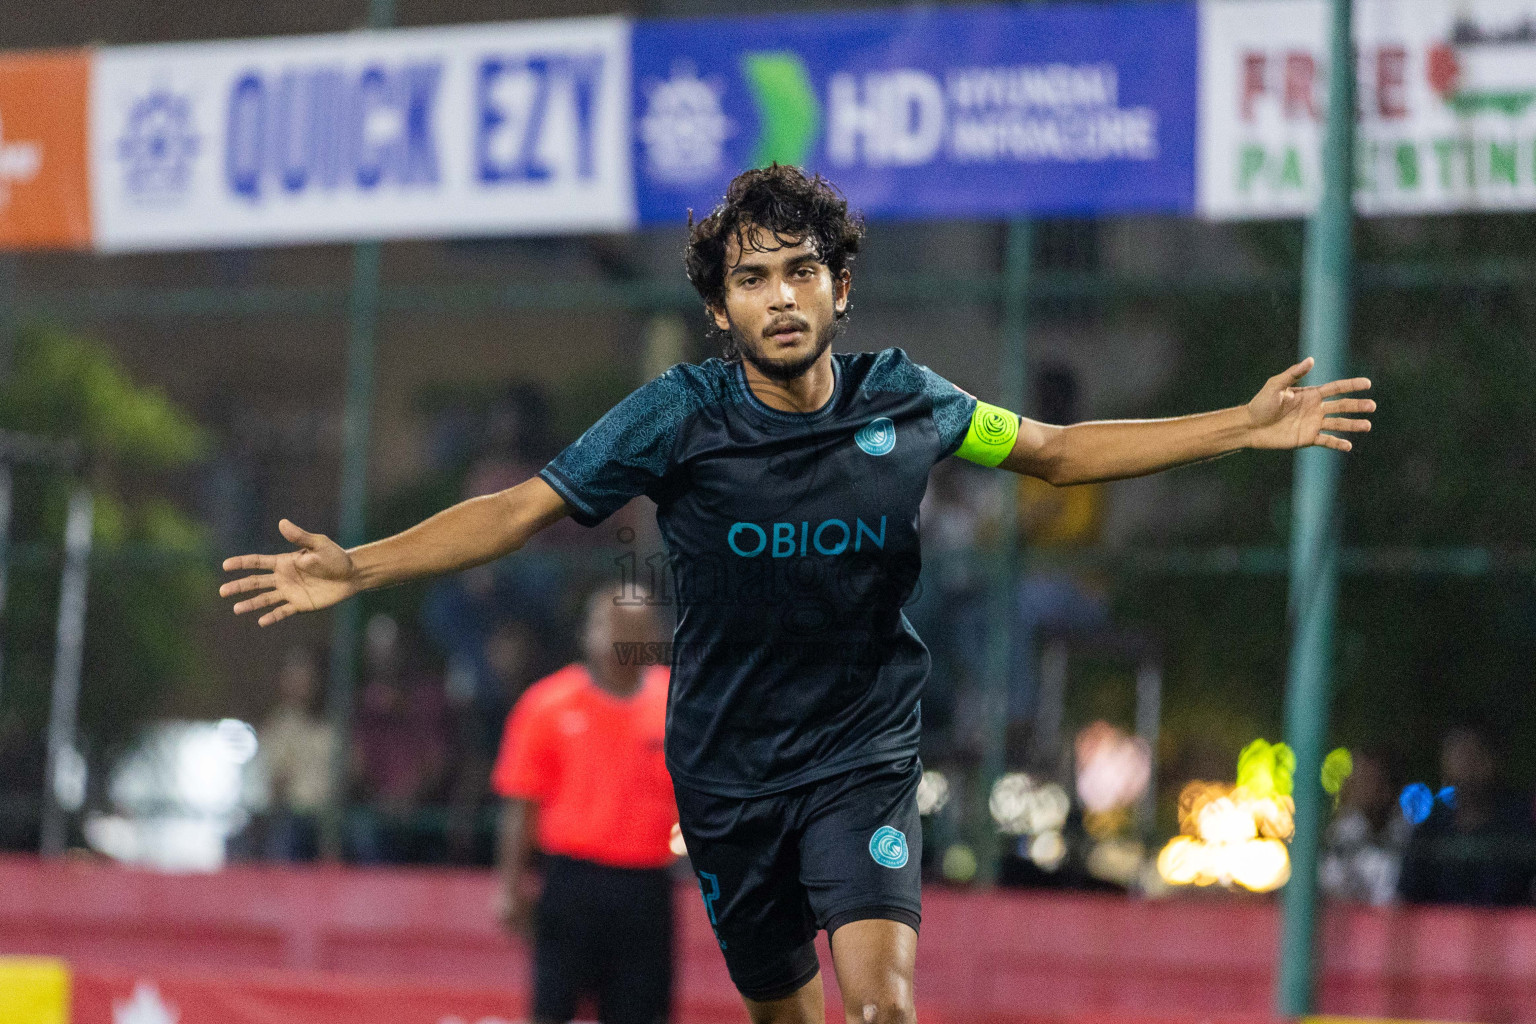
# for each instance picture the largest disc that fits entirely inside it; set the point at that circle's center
(1283, 415)
(316, 575)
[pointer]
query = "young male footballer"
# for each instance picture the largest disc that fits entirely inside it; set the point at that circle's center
(787, 479)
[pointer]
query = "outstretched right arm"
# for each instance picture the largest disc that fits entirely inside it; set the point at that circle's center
(319, 573)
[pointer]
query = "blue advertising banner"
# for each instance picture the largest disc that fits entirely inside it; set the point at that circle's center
(926, 112)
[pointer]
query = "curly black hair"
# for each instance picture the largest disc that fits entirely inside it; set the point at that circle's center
(782, 201)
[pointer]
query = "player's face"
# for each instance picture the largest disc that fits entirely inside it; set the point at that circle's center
(781, 302)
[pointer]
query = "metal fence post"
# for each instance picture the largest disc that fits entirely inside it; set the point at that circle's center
(346, 625)
(1314, 560)
(69, 646)
(363, 319)
(1011, 376)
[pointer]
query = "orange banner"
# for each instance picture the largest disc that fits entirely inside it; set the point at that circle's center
(44, 189)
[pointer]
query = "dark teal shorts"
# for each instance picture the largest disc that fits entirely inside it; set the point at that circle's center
(775, 869)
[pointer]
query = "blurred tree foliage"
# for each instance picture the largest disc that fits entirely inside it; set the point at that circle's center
(1451, 462)
(150, 570)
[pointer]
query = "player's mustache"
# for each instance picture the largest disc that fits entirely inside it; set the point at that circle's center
(791, 322)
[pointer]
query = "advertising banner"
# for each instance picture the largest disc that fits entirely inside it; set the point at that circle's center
(34, 990)
(45, 201)
(1446, 106)
(984, 111)
(477, 130)
(167, 997)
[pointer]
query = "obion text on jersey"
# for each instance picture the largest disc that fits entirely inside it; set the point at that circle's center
(783, 540)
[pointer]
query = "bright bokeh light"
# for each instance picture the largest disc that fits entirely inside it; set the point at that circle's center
(1047, 850)
(932, 792)
(205, 772)
(1266, 769)
(958, 863)
(177, 796)
(1116, 860)
(1219, 813)
(1276, 817)
(1262, 865)
(239, 737)
(1236, 834)
(1192, 800)
(1417, 801)
(1022, 806)
(1225, 820)
(1113, 767)
(1338, 766)
(1183, 861)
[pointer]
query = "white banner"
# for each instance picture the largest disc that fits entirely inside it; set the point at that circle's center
(1446, 106)
(475, 130)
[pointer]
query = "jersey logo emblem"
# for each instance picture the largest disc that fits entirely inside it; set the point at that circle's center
(888, 845)
(877, 437)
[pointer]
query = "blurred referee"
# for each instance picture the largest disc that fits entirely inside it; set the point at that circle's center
(583, 774)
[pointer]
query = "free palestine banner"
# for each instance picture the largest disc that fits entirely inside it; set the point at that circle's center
(1446, 106)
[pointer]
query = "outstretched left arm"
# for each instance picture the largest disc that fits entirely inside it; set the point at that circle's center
(1281, 415)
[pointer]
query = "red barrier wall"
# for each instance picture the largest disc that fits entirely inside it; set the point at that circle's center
(1008, 955)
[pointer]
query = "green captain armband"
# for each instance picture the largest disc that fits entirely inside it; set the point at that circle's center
(990, 436)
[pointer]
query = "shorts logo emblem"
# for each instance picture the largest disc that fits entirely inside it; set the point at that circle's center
(709, 885)
(889, 847)
(877, 437)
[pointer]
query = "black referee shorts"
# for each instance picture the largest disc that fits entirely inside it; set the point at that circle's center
(606, 933)
(776, 869)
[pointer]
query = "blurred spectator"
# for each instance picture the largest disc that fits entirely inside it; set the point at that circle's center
(1363, 847)
(23, 752)
(489, 623)
(229, 482)
(583, 774)
(399, 752)
(1054, 517)
(510, 654)
(463, 612)
(295, 744)
(1476, 846)
(461, 615)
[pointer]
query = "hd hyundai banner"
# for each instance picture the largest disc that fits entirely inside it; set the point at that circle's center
(494, 129)
(926, 112)
(1445, 111)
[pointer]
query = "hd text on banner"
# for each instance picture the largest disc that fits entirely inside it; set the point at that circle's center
(926, 112)
(1446, 106)
(516, 128)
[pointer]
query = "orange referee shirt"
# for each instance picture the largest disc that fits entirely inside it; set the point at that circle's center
(593, 764)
